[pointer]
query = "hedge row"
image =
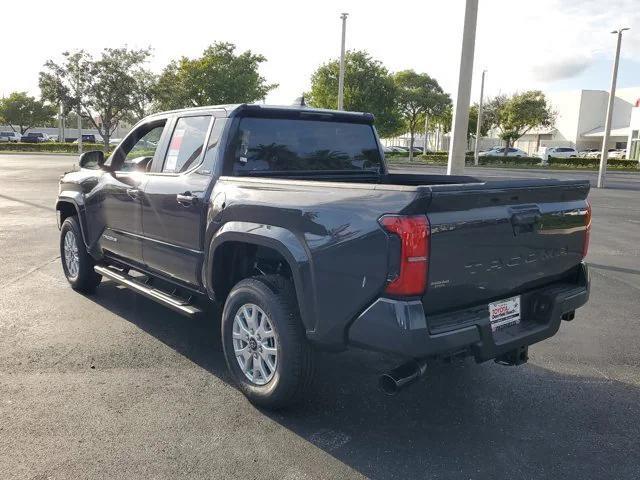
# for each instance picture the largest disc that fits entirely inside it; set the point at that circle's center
(406, 154)
(442, 158)
(593, 162)
(54, 147)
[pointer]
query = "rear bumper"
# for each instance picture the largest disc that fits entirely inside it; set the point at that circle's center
(401, 327)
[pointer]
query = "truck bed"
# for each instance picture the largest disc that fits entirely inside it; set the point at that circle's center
(488, 239)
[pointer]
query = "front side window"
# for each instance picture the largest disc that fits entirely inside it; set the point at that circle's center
(140, 144)
(283, 145)
(145, 147)
(185, 146)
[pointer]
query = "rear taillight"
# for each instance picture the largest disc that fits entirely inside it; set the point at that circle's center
(414, 233)
(587, 230)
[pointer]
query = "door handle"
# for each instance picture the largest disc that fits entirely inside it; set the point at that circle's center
(133, 193)
(186, 198)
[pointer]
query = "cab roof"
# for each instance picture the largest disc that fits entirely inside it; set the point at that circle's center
(277, 111)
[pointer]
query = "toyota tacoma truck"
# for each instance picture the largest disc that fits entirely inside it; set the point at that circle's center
(290, 220)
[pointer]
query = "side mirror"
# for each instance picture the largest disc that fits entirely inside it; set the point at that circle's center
(92, 160)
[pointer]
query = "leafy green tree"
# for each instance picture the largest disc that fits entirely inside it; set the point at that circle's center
(473, 122)
(219, 76)
(417, 95)
(25, 111)
(368, 87)
(104, 90)
(517, 115)
(143, 96)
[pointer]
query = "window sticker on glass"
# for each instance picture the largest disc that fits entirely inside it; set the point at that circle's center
(174, 151)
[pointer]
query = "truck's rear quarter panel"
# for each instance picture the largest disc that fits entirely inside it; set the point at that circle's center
(337, 223)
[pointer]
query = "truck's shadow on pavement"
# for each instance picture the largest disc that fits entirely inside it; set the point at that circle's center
(465, 421)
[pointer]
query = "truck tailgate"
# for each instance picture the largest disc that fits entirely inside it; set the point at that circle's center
(495, 239)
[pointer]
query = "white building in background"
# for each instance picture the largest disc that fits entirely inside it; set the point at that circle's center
(633, 143)
(579, 124)
(580, 121)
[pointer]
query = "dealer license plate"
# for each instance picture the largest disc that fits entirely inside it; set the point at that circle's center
(504, 313)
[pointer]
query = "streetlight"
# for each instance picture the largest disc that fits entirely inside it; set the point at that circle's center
(460, 122)
(426, 132)
(602, 172)
(479, 121)
(341, 75)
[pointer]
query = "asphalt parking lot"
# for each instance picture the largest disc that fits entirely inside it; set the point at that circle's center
(115, 386)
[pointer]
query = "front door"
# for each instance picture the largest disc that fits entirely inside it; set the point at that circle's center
(174, 204)
(120, 193)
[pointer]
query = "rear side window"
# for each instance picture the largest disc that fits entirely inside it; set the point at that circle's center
(185, 146)
(282, 145)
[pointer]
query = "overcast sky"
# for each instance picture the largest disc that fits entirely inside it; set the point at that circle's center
(547, 44)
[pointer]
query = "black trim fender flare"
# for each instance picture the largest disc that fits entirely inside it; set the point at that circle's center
(284, 242)
(75, 199)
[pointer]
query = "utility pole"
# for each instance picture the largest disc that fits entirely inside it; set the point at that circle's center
(78, 114)
(426, 132)
(60, 124)
(458, 146)
(479, 121)
(602, 172)
(341, 75)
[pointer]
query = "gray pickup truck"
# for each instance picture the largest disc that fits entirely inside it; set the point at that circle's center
(289, 218)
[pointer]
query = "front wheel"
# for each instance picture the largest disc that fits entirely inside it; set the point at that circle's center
(76, 261)
(264, 342)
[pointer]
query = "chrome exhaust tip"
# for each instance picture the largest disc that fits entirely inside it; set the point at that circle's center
(401, 377)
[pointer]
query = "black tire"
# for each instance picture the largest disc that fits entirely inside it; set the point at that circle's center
(86, 279)
(293, 373)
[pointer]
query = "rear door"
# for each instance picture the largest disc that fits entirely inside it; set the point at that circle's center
(495, 239)
(175, 199)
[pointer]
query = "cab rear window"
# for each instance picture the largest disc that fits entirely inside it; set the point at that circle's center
(281, 145)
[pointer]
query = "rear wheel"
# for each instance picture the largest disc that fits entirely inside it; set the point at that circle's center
(76, 261)
(264, 342)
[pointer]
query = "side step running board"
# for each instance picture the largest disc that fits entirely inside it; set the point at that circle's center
(175, 303)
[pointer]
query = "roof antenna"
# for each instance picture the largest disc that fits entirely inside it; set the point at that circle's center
(299, 102)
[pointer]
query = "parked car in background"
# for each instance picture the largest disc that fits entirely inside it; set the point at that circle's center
(114, 141)
(618, 154)
(615, 153)
(587, 152)
(35, 137)
(499, 151)
(53, 138)
(10, 136)
(89, 138)
(556, 152)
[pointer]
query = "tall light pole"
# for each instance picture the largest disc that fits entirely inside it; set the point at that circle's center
(78, 109)
(479, 121)
(60, 127)
(426, 132)
(602, 172)
(341, 75)
(460, 122)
